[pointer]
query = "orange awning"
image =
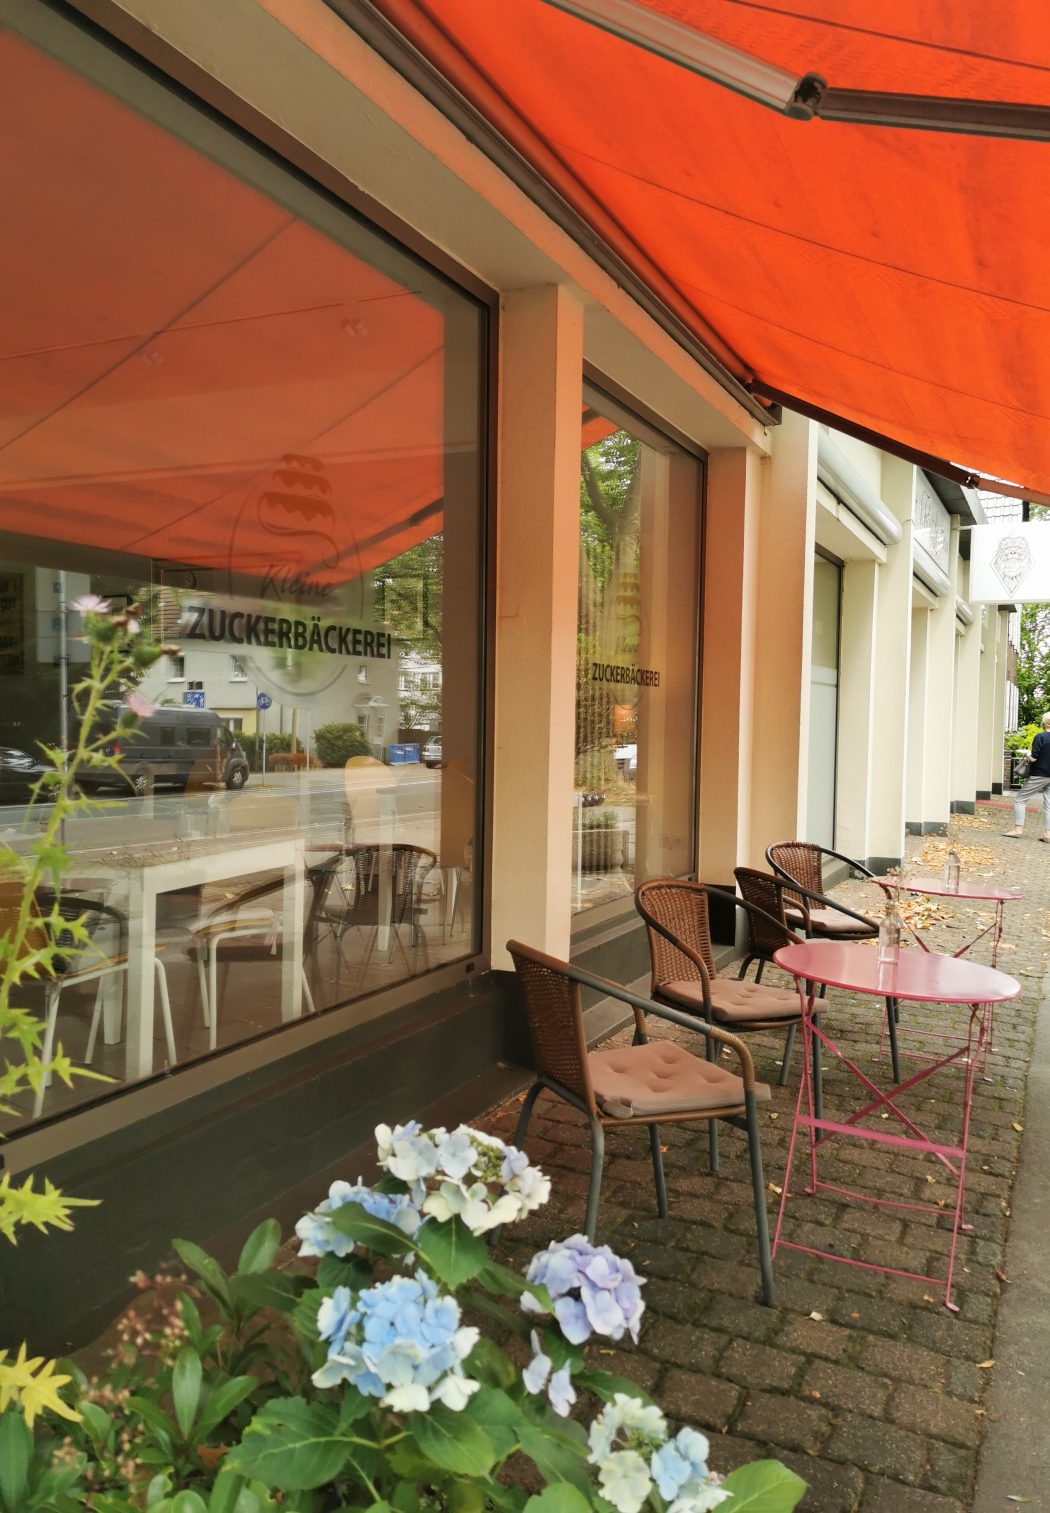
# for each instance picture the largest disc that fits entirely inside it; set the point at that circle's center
(189, 373)
(895, 279)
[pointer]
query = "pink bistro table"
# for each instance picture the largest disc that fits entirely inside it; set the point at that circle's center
(977, 892)
(916, 977)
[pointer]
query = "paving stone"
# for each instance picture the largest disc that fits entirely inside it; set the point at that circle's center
(845, 1387)
(903, 1361)
(783, 1421)
(832, 1487)
(936, 1414)
(753, 1365)
(950, 1470)
(683, 1345)
(750, 1321)
(882, 1496)
(811, 1337)
(698, 1399)
(874, 1446)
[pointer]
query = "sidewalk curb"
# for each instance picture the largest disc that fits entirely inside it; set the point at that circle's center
(1015, 1454)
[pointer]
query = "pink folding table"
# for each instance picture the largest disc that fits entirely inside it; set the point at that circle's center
(916, 977)
(978, 891)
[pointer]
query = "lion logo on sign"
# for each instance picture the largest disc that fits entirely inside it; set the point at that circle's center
(1012, 562)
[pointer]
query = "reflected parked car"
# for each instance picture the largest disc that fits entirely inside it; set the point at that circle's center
(432, 752)
(18, 772)
(169, 748)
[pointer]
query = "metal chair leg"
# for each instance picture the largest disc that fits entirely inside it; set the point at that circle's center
(758, 1188)
(818, 1073)
(789, 1045)
(526, 1113)
(761, 969)
(712, 1124)
(743, 969)
(658, 1170)
(595, 1186)
(891, 1025)
(165, 1009)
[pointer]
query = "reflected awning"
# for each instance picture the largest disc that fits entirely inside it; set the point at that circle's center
(189, 372)
(892, 280)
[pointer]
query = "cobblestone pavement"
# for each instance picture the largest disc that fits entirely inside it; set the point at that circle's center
(863, 1383)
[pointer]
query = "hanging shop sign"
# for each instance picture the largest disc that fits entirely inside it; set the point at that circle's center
(1010, 563)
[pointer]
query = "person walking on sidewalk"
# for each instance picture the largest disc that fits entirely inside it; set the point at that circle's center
(1037, 781)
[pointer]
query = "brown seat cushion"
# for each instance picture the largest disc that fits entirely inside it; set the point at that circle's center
(734, 1002)
(634, 1081)
(830, 922)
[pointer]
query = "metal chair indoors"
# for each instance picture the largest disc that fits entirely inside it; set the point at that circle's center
(801, 866)
(87, 961)
(249, 928)
(684, 975)
(378, 887)
(649, 1083)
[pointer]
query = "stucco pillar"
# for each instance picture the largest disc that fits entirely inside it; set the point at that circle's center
(859, 745)
(783, 634)
(734, 481)
(891, 677)
(965, 717)
(986, 701)
(538, 544)
(998, 722)
(918, 683)
(940, 688)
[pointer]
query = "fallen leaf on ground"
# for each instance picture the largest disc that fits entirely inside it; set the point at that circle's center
(1019, 1127)
(985, 1365)
(1001, 1276)
(818, 1316)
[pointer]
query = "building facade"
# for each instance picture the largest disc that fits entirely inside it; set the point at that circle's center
(389, 446)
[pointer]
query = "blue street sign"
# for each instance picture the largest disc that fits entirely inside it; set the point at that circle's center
(263, 700)
(194, 697)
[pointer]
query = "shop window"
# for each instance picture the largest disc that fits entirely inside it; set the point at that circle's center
(228, 398)
(637, 650)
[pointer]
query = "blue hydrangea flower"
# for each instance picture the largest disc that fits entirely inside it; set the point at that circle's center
(537, 1375)
(402, 1343)
(319, 1237)
(593, 1291)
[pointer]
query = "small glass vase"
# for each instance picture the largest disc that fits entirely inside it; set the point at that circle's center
(889, 937)
(952, 871)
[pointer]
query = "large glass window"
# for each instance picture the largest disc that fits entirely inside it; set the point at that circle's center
(636, 671)
(228, 399)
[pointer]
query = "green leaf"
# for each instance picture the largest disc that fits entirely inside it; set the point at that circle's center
(186, 1387)
(96, 1420)
(605, 1385)
(343, 1271)
(353, 1405)
(504, 1283)
(205, 1266)
(452, 1441)
(279, 1290)
(188, 1502)
(451, 1252)
(16, 1449)
(365, 1229)
(156, 1421)
(559, 1498)
(222, 1402)
(489, 1364)
(764, 1486)
(157, 1490)
(260, 1248)
(292, 1445)
(191, 1318)
(557, 1453)
(499, 1416)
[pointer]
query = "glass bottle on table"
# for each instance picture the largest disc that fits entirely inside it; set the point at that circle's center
(889, 935)
(952, 870)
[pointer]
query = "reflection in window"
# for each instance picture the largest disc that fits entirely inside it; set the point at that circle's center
(636, 693)
(259, 420)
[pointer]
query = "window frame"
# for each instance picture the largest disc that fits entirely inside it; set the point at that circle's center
(118, 54)
(618, 404)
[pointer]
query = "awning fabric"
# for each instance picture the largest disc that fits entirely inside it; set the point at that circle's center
(897, 279)
(188, 372)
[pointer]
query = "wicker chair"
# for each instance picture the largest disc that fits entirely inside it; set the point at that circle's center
(765, 892)
(684, 975)
(649, 1082)
(801, 866)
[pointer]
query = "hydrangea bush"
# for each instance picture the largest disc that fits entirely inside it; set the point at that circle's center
(397, 1367)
